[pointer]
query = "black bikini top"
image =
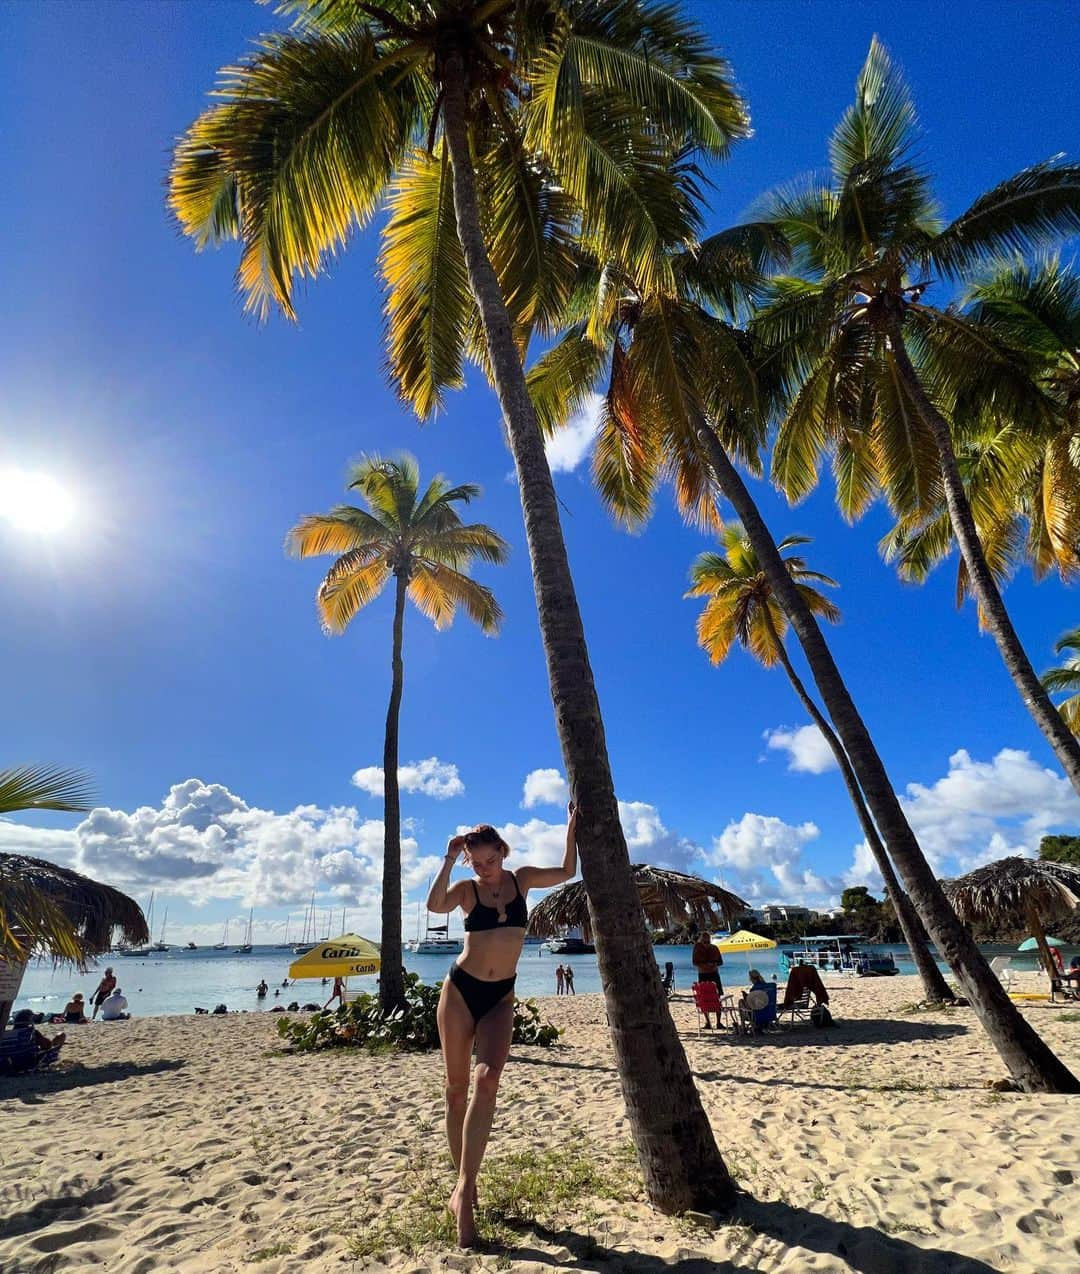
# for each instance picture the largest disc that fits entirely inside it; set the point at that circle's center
(484, 917)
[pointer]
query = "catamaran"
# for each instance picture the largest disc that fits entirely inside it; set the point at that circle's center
(837, 957)
(436, 940)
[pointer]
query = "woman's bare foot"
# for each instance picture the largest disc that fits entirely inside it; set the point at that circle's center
(461, 1206)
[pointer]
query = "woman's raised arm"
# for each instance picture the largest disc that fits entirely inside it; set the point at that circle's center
(444, 897)
(542, 877)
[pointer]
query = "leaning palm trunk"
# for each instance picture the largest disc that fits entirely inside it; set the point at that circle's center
(679, 1159)
(991, 607)
(1031, 1063)
(391, 981)
(933, 980)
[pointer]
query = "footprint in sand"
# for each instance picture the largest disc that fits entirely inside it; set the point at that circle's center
(56, 1238)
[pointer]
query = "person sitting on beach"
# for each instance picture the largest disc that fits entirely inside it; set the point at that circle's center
(338, 993)
(476, 1005)
(75, 1010)
(102, 992)
(44, 1043)
(560, 979)
(114, 1009)
(706, 959)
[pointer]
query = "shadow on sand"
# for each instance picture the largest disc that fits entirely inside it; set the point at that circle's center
(31, 1089)
(861, 1248)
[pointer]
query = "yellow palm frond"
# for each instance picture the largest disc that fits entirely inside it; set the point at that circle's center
(438, 590)
(347, 589)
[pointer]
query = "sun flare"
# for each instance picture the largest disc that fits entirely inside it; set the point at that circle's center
(34, 502)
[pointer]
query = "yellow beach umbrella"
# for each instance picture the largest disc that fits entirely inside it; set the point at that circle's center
(345, 957)
(744, 940)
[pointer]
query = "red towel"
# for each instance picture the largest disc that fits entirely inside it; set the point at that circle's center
(804, 977)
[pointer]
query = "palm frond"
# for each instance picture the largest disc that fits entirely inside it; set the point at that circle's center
(343, 529)
(349, 586)
(1029, 211)
(45, 787)
(438, 590)
(879, 128)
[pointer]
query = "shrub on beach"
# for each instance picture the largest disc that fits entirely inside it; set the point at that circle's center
(363, 1023)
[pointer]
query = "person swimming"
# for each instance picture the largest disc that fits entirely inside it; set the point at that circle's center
(476, 1006)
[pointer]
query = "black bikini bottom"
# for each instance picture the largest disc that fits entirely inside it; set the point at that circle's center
(480, 997)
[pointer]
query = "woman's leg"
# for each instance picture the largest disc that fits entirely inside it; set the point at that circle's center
(493, 1034)
(456, 1030)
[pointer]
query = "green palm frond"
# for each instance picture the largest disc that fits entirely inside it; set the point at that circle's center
(561, 381)
(879, 128)
(343, 529)
(428, 302)
(1034, 208)
(457, 546)
(309, 129)
(45, 787)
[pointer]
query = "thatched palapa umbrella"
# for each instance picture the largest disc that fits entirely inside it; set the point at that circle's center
(668, 898)
(1018, 891)
(51, 910)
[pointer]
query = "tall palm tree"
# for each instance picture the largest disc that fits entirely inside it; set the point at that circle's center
(506, 130)
(683, 396)
(741, 607)
(419, 542)
(1023, 483)
(868, 370)
(1067, 678)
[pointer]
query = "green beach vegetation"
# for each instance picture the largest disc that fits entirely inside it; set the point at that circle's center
(541, 166)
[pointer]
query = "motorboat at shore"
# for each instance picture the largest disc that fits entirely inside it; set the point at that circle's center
(836, 956)
(569, 946)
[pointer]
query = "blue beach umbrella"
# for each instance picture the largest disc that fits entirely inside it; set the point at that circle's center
(1030, 944)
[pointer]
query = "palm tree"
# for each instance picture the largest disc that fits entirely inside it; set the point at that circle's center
(1067, 678)
(741, 607)
(504, 130)
(1023, 484)
(683, 396)
(868, 370)
(420, 542)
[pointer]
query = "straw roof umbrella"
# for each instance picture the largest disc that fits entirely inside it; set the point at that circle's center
(668, 898)
(1018, 891)
(53, 910)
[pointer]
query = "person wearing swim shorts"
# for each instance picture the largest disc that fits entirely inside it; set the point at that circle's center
(476, 1007)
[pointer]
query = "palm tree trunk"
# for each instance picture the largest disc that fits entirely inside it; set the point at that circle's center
(679, 1159)
(1031, 1063)
(933, 980)
(991, 606)
(391, 980)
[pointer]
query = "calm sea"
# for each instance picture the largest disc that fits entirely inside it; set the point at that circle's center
(178, 981)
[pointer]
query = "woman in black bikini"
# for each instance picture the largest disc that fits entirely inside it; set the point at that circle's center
(477, 1002)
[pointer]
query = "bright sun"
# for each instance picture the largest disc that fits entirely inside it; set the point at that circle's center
(34, 502)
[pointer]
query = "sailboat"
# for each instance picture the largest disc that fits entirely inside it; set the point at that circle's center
(304, 946)
(245, 949)
(285, 941)
(436, 940)
(148, 950)
(161, 944)
(220, 946)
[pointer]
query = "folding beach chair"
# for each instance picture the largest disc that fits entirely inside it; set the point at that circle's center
(799, 1008)
(20, 1052)
(707, 999)
(1000, 965)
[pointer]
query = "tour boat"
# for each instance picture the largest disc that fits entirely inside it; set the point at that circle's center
(837, 956)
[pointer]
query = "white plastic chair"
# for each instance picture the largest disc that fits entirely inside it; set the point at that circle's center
(1001, 966)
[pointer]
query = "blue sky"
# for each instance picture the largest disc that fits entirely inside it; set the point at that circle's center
(164, 638)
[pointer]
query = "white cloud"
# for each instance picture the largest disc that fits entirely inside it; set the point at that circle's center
(982, 810)
(808, 752)
(567, 448)
(204, 842)
(544, 787)
(764, 856)
(431, 777)
(863, 869)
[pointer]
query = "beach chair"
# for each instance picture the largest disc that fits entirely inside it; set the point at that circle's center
(799, 1008)
(761, 1007)
(707, 999)
(1064, 987)
(668, 980)
(20, 1052)
(1000, 965)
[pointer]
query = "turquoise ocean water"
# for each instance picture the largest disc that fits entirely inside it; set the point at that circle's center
(178, 981)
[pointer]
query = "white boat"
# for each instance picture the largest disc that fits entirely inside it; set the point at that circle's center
(304, 946)
(149, 949)
(436, 941)
(220, 946)
(836, 958)
(161, 944)
(191, 947)
(245, 947)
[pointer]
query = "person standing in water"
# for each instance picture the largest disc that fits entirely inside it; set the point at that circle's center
(476, 1007)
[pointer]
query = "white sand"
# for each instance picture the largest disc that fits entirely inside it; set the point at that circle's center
(184, 1144)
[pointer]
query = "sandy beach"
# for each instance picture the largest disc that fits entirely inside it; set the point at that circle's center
(194, 1144)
